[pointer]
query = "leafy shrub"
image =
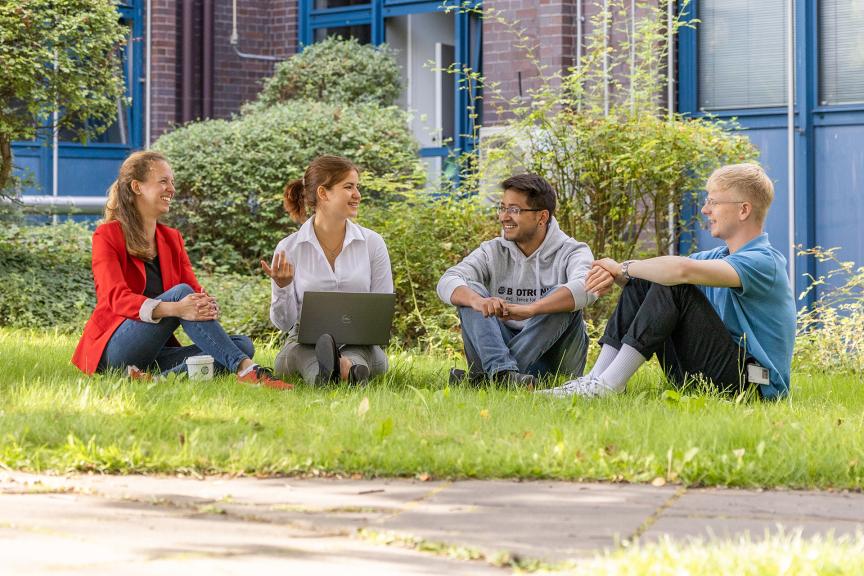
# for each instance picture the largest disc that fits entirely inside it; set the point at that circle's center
(335, 70)
(45, 278)
(230, 174)
(46, 282)
(425, 235)
(616, 176)
(830, 336)
(244, 302)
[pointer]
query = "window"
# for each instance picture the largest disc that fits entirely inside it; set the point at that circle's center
(742, 53)
(324, 4)
(362, 32)
(841, 52)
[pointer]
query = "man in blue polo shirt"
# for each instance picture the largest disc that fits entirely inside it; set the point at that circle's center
(727, 314)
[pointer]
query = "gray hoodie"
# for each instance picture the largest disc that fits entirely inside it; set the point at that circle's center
(507, 273)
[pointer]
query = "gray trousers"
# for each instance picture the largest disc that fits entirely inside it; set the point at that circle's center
(296, 358)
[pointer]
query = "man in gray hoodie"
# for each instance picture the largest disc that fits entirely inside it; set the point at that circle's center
(520, 296)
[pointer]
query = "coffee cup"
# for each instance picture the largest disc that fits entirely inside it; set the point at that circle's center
(200, 367)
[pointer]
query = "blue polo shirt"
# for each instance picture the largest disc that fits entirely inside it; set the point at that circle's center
(761, 313)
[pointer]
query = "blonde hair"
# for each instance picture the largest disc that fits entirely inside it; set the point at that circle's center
(121, 202)
(748, 179)
(302, 194)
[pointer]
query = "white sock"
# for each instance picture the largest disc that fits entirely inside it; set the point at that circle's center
(246, 370)
(604, 359)
(623, 367)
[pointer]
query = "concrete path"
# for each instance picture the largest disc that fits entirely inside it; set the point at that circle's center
(169, 525)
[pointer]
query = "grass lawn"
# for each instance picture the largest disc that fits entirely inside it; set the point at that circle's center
(789, 555)
(52, 418)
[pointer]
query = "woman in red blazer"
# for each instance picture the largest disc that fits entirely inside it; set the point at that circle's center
(145, 288)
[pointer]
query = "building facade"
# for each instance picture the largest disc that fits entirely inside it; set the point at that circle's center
(192, 59)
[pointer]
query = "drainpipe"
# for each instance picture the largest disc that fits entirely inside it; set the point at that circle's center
(55, 158)
(235, 40)
(632, 55)
(207, 61)
(579, 35)
(670, 104)
(186, 55)
(579, 47)
(605, 57)
(148, 55)
(790, 132)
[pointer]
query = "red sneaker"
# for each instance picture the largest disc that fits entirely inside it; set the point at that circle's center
(135, 373)
(261, 376)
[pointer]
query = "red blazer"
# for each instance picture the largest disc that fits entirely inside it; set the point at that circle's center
(120, 281)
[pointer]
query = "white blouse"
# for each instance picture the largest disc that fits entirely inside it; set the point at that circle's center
(363, 265)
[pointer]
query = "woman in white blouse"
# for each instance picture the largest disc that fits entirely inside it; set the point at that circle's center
(329, 253)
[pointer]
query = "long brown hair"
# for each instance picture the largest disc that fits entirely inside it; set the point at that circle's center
(302, 194)
(121, 202)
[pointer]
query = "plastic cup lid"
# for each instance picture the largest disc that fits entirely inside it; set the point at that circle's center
(203, 359)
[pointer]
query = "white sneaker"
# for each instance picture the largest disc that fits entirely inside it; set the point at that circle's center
(584, 386)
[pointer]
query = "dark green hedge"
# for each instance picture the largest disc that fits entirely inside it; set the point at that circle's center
(45, 278)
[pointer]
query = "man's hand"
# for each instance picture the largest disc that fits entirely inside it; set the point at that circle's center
(599, 281)
(613, 268)
(282, 271)
(519, 311)
(490, 307)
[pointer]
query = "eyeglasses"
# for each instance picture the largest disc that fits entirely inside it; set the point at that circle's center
(711, 202)
(516, 210)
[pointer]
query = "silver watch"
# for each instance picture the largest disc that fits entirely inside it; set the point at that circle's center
(625, 269)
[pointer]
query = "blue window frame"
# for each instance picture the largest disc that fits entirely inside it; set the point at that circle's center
(367, 22)
(88, 169)
(828, 139)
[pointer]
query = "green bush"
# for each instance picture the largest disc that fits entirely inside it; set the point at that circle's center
(335, 70)
(46, 282)
(45, 278)
(425, 235)
(230, 174)
(244, 302)
(830, 336)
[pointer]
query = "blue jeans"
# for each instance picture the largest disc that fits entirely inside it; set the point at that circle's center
(546, 344)
(144, 345)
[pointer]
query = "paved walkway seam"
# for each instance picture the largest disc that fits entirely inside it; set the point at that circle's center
(650, 520)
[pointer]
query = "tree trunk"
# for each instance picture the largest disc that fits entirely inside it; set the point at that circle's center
(5, 163)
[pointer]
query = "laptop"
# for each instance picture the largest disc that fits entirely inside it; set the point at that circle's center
(355, 318)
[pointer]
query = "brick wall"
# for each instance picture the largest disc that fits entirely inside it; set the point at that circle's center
(266, 27)
(164, 75)
(551, 26)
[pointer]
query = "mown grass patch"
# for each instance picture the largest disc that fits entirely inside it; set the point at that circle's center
(411, 423)
(786, 554)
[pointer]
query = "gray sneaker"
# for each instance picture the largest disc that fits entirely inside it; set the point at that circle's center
(585, 386)
(514, 378)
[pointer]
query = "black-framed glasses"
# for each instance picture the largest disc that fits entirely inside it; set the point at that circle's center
(516, 210)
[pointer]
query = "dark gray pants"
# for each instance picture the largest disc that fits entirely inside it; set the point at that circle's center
(679, 325)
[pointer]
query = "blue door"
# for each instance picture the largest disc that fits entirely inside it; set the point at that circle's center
(88, 169)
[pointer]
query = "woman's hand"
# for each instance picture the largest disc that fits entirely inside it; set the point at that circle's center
(197, 307)
(282, 271)
(213, 304)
